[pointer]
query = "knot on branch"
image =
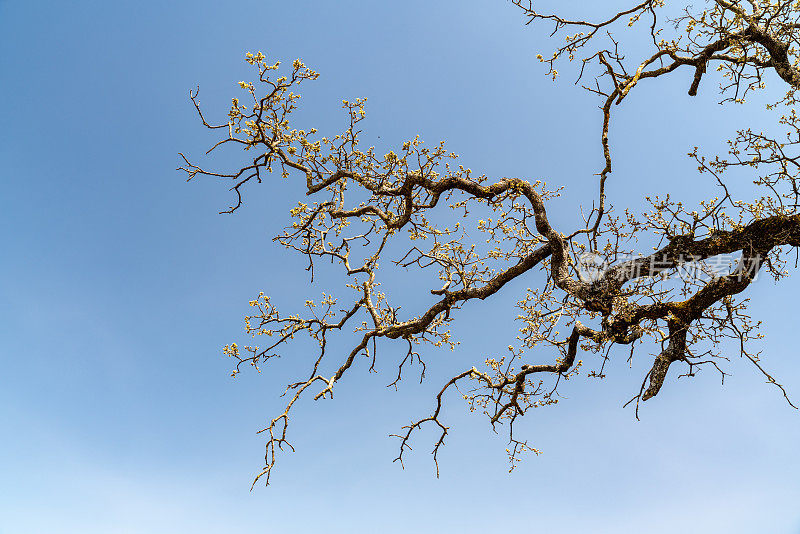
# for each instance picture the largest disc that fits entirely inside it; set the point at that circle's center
(598, 297)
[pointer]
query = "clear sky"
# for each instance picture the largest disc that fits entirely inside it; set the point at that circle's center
(119, 284)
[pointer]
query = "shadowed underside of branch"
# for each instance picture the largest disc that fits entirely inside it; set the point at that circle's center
(364, 206)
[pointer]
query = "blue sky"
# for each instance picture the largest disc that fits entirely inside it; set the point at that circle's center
(119, 284)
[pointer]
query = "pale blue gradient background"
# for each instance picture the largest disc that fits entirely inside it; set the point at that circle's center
(119, 283)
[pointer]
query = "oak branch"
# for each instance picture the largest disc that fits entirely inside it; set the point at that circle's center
(363, 206)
